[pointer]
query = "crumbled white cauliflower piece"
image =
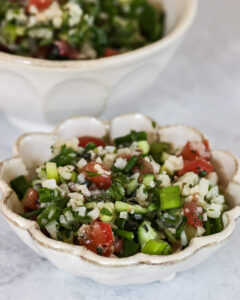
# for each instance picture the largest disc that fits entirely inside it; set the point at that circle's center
(164, 179)
(108, 205)
(93, 154)
(95, 192)
(200, 231)
(52, 13)
(99, 160)
(124, 151)
(205, 217)
(57, 22)
(214, 192)
(76, 196)
(141, 195)
(152, 184)
(218, 199)
(120, 163)
(109, 160)
(81, 178)
(213, 178)
(213, 210)
(75, 13)
(156, 166)
(16, 15)
(101, 171)
(40, 33)
(173, 163)
(66, 172)
(81, 163)
(49, 184)
(187, 182)
(33, 9)
(64, 188)
(100, 150)
(76, 200)
(135, 176)
(110, 149)
(203, 187)
(81, 211)
(83, 189)
(69, 216)
(94, 214)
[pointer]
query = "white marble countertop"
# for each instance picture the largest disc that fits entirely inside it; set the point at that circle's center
(199, 87)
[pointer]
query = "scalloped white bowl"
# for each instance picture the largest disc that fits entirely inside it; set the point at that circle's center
(32, 149)
(36, 93)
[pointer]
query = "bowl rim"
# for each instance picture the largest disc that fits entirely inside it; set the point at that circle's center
(195, 245)
(185, 21)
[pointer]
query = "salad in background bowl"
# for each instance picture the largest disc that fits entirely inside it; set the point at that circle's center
(41, 86)
(147, 200)
(70, 29)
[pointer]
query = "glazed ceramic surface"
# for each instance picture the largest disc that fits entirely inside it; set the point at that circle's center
(34, 92)
(30, 150)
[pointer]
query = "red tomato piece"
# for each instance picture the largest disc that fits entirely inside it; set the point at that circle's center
(30, 201)
(98, 174)
(85, 140)
(197, 166)
(40, 4)
(193, 212)
(110, 52)
(193, 150)
(97, 237)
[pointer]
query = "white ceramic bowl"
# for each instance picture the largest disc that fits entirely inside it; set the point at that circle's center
(35, 92)
(33, 149)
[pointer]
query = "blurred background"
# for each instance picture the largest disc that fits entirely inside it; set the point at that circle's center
(200, 87)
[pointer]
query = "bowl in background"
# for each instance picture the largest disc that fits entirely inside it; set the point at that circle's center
(35, 93)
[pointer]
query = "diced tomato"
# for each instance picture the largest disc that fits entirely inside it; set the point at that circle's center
(98, 174)
(110, 52)
(97, 237)
(40, 4)
(85, 140)
(193, 150)
(30, 200)
(198, 166)
(193, 212)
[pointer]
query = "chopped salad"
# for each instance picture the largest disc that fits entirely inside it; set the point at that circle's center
(78, 29)
(126, 197)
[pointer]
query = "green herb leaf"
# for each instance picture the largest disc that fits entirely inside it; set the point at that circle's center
(67, 156)
(20, 186)
(116, 191)
(93, 174)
